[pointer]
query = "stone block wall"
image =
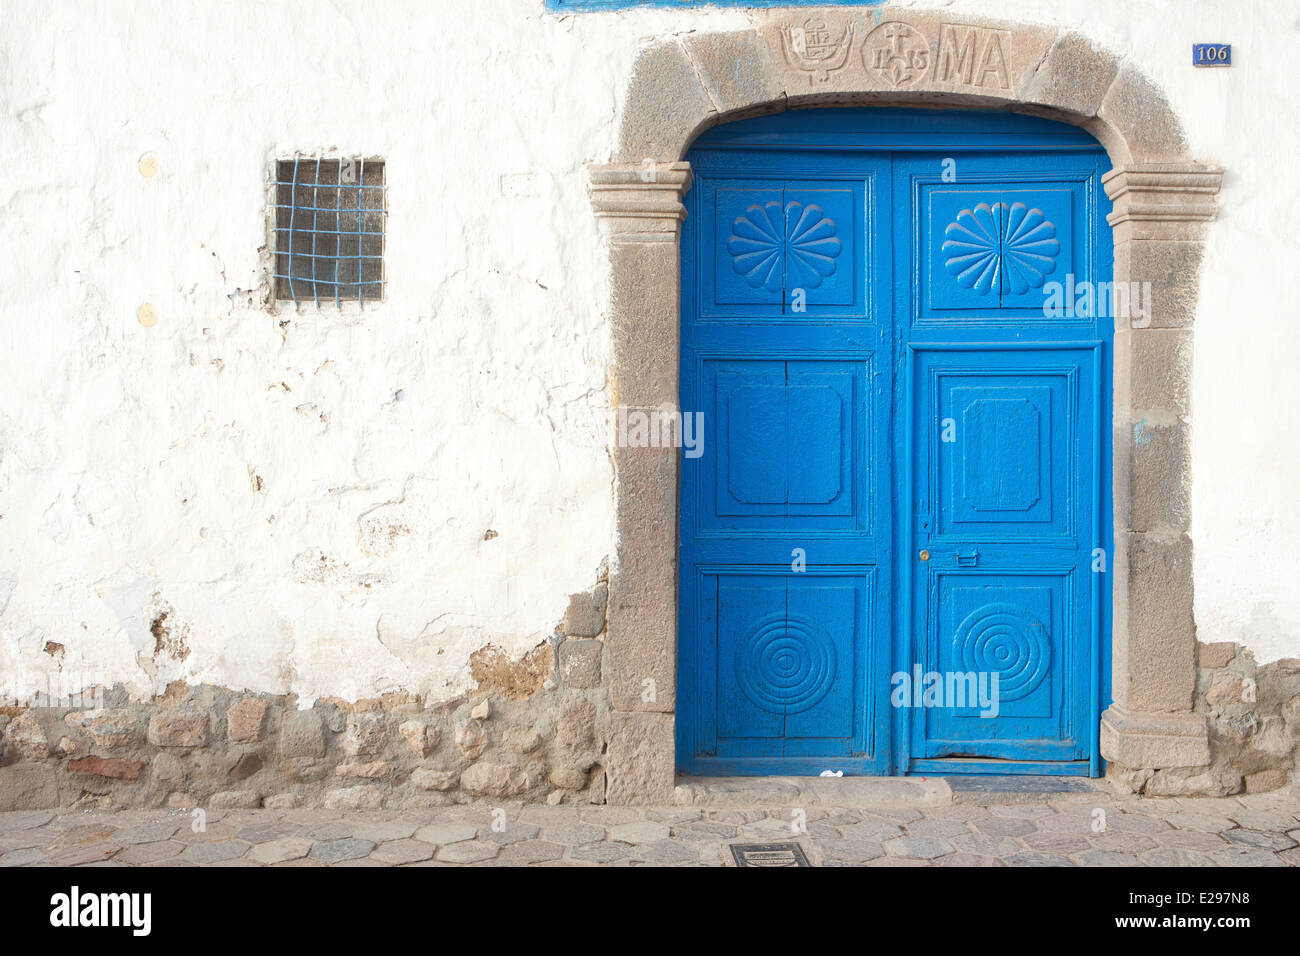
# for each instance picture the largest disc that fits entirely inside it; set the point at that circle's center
(535, 730)
(1253, 714)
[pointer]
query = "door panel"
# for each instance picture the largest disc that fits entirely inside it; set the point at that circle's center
(1006, 443)
(785, 520)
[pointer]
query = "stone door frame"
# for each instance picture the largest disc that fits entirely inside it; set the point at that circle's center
(1163, 201)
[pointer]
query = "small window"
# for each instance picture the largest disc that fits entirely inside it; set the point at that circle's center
(329, 230)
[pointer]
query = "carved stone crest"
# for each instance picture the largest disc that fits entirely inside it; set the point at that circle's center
(896, 53)
(817, 48)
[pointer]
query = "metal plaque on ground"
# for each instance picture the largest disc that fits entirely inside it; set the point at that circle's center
(769, 854)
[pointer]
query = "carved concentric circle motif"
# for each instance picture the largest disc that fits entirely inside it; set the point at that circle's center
(771, 244)
(786, 664)
(1007, 640)
(990, 245)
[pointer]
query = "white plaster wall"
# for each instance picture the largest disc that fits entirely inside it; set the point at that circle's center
(387, 441)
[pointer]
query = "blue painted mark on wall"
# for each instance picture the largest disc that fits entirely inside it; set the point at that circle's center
(579, 6)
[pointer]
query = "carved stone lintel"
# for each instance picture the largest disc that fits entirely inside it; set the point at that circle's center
(640, 202)
(1161, 200)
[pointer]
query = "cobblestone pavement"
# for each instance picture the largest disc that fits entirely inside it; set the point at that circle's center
(1256, 830)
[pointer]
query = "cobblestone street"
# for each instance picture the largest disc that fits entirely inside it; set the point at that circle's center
(1070, 830)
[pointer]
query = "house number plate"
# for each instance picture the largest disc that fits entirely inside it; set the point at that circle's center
(1211, 54)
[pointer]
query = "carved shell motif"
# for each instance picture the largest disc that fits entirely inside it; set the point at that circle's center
(1004, 248)
(796, 245)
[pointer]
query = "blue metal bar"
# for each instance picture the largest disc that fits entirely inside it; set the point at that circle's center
(340, 185)
(315, 289)
(328, 232)
(280, 275)
(361, 178)
(325, 255)
(293, 197)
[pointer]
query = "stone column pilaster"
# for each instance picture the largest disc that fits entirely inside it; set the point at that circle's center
(1159, 218)
(640, 211)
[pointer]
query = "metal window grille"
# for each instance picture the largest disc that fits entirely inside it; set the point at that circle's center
(329, 230)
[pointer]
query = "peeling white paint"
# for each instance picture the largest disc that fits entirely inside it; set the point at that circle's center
(310, 491)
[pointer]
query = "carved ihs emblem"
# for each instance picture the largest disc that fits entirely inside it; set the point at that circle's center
(896, 53)
(817, 49)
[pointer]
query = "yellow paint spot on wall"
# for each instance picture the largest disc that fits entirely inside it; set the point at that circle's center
(147, 315)
(148, 166)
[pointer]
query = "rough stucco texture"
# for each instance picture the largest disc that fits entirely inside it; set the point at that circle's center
(299, 501)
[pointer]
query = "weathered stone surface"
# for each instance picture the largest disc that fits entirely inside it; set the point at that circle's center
(168, 770)
(641, 639)
(1174, 783)
(1265, 780)
(366, 734)
(664, 106)
(110, 729)
(1215, 655)
(178, 727)
(27, 787)
(471, 738)
(1172, 269)
(470, 851)
(335, 851)
(852, 851)
(640, 766)
(27, 738)
(397, 852)
(575, 728)
(494, 780)
(1155, 669)
(115, 768)
(280, 851)
(531, 851)
(422, 737)
(1225, 688)
(216, 852)
(369, 770)
(585, 616)
(645, 332)
(580, 663)
(523, 740)
(568, 776)
(247, 765)
(922, 848)
(1291, 715)
(355, 798)
(482, 710)
(737, 69)
(246, 720)
(1159, 487)
(645, 831)
(427, 779)
(1073, 77)
(302, 734)
(1136, 108)
(235, 800)
(443, 834)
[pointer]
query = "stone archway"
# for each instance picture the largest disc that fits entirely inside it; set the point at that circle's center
(1162, 202)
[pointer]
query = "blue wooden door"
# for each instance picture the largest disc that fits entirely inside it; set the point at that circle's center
(903, 453)
(785, 594)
